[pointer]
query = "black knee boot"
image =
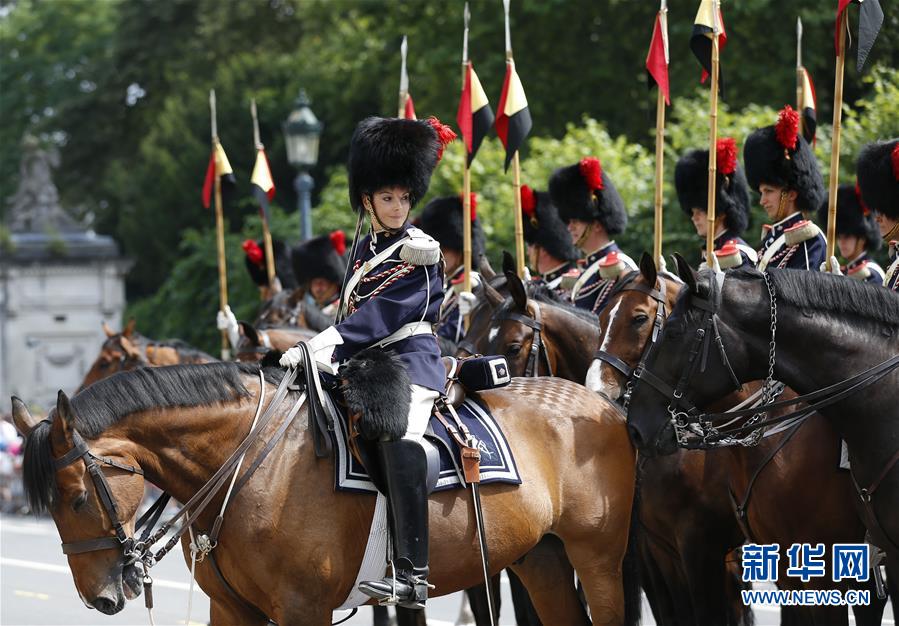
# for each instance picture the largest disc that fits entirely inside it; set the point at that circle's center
(405, 469)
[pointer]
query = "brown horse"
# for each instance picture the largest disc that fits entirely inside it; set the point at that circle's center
(256, 342)
(129, 349)
(291, 546)
(679, 518)
(765, 486)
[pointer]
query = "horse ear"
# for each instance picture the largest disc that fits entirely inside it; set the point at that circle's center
(687, 273)
(129, 329)
(248, 331)
(516, 288)
(22, 417)
(648, 268)
(65, 416)
(485, 268)
(130, 349)
(107, 330)
(508, 263)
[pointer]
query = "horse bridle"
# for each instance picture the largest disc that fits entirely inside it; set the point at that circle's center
(538, 346)
(92, 463)
(659, 295)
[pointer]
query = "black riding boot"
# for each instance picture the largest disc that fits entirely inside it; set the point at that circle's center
(405, 467)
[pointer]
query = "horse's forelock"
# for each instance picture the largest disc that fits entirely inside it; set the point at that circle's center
(38, 469)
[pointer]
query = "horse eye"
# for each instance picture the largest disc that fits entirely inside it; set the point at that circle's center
(640, 319)
(80, 501)
(513, 349)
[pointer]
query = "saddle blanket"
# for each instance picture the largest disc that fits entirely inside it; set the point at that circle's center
(497, 462)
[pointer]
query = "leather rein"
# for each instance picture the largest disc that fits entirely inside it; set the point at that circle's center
(538, 345)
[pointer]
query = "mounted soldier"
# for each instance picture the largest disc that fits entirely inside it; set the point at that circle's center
(691, 175)
(442, 219)
(552, 254)
(781, 166)
(857, 235)
(319, 265)
(594, 212)
(878, 179)
(392, 300)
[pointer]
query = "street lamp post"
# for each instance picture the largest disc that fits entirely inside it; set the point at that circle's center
(302, 131)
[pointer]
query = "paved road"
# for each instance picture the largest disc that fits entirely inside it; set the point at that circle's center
(36, 588)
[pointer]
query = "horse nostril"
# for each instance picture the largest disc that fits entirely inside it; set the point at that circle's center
(107, 606)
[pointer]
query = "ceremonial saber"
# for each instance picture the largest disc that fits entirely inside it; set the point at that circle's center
(404, 79)
(516, 169)
(713, 139)
(219, 227)
(835, 148)
(266, 233)
(660, 146)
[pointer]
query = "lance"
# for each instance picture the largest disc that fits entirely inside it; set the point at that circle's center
(404, 80)
(713, 137)
(266, 232)
(660, 145)
(835, 147)
(219, 225)
(466, 175)
(516, 167)
(800, 74)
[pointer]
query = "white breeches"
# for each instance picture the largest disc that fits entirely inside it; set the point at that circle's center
(420, 412)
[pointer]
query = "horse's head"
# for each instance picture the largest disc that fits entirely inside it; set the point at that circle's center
(284, 308)
(632, 315)
(121, 351)
(86, 494)
(687, 367)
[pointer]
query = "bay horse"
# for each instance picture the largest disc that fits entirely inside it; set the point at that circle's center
(291, 545)
(255, 343)
(811, 330)
(129, 349)
(291, 309)
(765, 485)
(679, 519)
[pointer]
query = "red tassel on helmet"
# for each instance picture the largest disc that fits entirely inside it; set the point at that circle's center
(858, 196)
(591, 170)
(895, 158)
(338, 241)
(445, 134)
(528, 202)
(253, 252)
(726, 155)
(787, 129)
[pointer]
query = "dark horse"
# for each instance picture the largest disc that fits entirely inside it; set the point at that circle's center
(129, 349)
(679, 517)
(290, 546)
(815, 330)
(765, 484)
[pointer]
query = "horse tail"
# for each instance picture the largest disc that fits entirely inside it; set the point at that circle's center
(630, 567)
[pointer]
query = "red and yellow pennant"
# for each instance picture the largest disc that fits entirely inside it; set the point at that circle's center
(474, 117)
(220, 167)
(513, 124)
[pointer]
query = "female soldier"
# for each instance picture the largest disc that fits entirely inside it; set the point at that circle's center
(392, 300)
(780, 165)
(691, 175)
(878, 179)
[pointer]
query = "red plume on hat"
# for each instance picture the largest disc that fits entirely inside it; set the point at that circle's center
(861, 202)
(528, 202)
(591, 170)
(787, 128)
(338, 241)
(894, 156)
(444, 133)
(253, 252)
(726, 155)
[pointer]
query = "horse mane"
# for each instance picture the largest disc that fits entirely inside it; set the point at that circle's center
(826, 293)
(541, 293)
(110, 400)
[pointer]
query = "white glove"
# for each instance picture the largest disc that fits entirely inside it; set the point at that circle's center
(225, 320)
(662, 266)
(834, 267)
(715, 266)
(322, 346)
(475, 280)
(467, 302)
(527, 275)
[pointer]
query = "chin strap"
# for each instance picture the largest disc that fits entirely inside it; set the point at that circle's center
(892, 234)
(376, 220)
(580, 240)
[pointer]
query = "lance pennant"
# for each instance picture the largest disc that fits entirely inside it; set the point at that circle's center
(704, 27)
(219, 167)
(657, 58)
(870, 19)
(474, 117)
(263, 186)
(514, 121)
(807, 104)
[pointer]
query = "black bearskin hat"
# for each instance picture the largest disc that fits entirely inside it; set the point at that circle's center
(691, 175)
(853, 218)
(393, 151)
(321, 257)
(544, 227)
(878, 177)
(584, 191)
(254, 258)
(778, 155)
(442, 219)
